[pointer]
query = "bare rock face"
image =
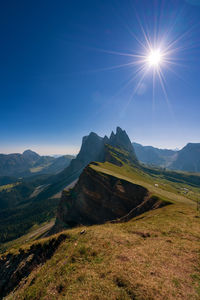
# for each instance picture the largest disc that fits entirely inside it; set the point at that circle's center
(121, 140)
(98, 198)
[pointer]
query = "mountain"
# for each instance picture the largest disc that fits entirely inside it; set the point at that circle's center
(56, 165)
(188, 158)
(30, 155)
(121, 140)
(24, 202)
(32, 200)
(29, 162)
(154, 156)
(93, 148)
(99, 197)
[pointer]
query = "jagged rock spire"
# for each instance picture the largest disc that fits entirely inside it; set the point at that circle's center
(121, 140)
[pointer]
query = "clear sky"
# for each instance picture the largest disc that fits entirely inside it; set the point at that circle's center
(69, 67)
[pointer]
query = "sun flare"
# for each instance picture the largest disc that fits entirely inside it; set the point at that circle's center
(154, 58)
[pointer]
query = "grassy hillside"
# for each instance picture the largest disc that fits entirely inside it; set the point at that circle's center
(153, 256)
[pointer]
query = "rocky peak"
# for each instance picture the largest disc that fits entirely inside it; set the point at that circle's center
(121, 140)
(91, 147)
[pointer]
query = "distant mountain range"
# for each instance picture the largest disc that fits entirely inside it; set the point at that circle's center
(30, 163)
(186, 159)
(154, 156)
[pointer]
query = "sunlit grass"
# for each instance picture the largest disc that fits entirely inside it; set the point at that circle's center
(8, 187)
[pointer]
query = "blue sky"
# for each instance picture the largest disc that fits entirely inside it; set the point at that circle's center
(59, 75)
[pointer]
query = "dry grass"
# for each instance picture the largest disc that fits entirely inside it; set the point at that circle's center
(154, 256)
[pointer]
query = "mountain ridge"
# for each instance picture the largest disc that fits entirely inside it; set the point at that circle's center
(185, 159)
(188, 158)
(29, 163)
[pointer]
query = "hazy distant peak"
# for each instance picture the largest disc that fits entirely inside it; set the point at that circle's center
(30, 153)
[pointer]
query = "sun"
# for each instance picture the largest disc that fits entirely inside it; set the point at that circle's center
(154, 58)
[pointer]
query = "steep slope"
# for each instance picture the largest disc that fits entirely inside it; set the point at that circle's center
(91, 149)
(154, 156)
(99, 197)
(188, 158)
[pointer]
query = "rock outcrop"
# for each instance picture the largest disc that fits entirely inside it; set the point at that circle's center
(98, 198)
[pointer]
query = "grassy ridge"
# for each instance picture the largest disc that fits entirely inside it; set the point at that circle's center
(155, 184)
